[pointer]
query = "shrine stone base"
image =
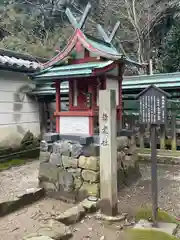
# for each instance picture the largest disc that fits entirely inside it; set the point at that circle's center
(69, 165)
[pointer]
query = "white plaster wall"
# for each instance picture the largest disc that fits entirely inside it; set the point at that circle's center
(113, 84)
(74, 125)
(13, 121)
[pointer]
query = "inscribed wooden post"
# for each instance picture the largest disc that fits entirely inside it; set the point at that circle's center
(108, 151)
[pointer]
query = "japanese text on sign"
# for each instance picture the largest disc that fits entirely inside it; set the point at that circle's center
(104, 131)
(153, 109)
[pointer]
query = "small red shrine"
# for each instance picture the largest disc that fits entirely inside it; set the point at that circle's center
(97, 65)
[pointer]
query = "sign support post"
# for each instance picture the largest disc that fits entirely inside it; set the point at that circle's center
(154, 186)
(153, 112)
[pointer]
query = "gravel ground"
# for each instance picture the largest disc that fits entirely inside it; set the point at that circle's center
(132, 198)
(90, 228)
(16, 180)
(139, 194)
(27, 220)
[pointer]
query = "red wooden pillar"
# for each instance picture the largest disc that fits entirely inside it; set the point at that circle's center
(71, 94)
(103, 83)
(58, 106)
(91, 118)
(94, 95)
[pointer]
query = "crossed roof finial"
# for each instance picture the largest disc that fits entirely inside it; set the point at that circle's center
(80, 24)
(73, 20)
(104, 35)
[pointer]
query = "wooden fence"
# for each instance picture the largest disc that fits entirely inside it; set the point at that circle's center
(168, 136)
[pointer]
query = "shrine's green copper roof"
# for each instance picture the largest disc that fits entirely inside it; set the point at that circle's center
(137, 83)
(90, 65)
(166, 80)
(61, 73)
(48, 89)
(66, 71)
(102, 46)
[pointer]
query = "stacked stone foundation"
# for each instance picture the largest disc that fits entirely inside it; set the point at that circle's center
(127, 161)
(70, 167)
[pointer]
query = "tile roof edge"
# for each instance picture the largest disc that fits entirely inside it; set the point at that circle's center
(29, 57)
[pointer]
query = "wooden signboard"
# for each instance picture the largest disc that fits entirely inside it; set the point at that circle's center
(153, 106)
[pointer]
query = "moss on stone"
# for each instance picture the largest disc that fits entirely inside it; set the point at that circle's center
(27, 139)
(148, 234)
(17, 155)
(11, 163)
(146, 213)
(28, 148)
